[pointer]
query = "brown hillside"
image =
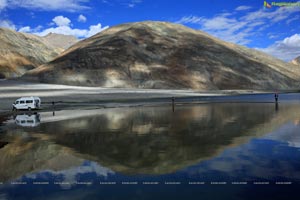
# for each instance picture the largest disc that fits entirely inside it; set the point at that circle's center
(296, 61)
(165, 55)
(60, 41)
(20, 52)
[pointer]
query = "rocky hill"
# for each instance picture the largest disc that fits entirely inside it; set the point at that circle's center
(20, 52)
(60, 41)
(296, 61)
(165, 55)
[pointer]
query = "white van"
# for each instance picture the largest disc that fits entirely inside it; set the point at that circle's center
(28, 120)
(27, 103)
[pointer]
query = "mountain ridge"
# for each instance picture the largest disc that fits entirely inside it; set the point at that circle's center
(155, 54)
(60, 41)
(20, 52)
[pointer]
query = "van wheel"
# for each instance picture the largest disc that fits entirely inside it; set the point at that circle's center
(13, 108)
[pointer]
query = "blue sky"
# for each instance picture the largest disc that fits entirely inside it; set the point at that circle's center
(245, 22)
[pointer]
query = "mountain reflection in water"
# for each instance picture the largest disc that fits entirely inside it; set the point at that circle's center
(153, 141)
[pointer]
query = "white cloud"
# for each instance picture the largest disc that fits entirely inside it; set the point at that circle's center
(63, 27)
(81, 18)
(94, 29)
(25, 29)
(293, 41)
(28, 29)
(38, 28)
(239, 29)
(3, 4)
(240, 8)
(62, 5)
(7, 24)
(286, 49)
(61, 21)
(65, 30)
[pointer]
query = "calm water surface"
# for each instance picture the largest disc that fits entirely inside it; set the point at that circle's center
(212, 151)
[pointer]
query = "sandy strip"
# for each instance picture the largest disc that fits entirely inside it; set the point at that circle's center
(70, 96)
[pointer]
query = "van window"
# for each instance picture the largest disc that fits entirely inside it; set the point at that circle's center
(17, 102)
(22, 102)
(29, 101)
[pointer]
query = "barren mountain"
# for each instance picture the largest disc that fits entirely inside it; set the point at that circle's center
(296, 61)
(165, 55)
(60, 41)
(20, 52)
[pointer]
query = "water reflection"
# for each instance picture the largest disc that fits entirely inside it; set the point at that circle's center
(276, 106)
(209, 142)
(149, 140)
(28, 120)
(156, 141)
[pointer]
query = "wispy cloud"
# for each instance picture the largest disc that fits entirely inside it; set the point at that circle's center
(239, 28)
(190, 20)
(288, 21)
(126, 3)
(240, 8)
(48, 5)
(277, 15)
(222, 26)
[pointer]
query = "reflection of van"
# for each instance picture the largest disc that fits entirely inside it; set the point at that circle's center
(27, 103)
(28, 120)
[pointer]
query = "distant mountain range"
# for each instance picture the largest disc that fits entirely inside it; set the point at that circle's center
(20, 52)
(160, 55)
(60, 41)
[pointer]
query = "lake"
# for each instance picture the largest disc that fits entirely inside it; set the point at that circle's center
(208, 150)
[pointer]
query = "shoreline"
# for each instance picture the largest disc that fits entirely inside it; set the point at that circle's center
(76, 97)
(59, 106)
